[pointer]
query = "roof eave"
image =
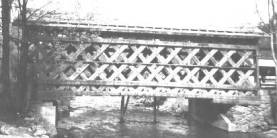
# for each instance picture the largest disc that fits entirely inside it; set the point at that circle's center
(151, 30)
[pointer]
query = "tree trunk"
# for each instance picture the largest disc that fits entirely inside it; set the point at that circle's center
(6, 49)
(272, 29)
(273, 94)
(23, 64)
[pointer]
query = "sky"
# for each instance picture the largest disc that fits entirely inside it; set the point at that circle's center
(166, 13)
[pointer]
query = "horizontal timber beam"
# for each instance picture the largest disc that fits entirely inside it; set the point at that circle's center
(145, 42)
(143, 84)
(150, 64)
(60, 94)
(88, 25)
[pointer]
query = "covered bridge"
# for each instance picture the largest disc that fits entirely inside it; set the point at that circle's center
(83, 58)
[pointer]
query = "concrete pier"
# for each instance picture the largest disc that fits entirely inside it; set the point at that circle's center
(205, 111)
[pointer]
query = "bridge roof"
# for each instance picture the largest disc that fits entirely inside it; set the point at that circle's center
(121, 28)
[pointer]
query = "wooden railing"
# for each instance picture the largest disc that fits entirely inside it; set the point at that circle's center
(268, 82)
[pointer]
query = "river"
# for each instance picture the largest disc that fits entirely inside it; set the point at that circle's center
(99, 118)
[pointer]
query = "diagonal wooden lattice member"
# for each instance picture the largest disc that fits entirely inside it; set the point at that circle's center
(110, 66)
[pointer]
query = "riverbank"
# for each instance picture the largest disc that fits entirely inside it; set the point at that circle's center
(99, 117)
(28, 127)
(32, 126)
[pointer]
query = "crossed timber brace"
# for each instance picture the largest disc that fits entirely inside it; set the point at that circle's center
(77, 63)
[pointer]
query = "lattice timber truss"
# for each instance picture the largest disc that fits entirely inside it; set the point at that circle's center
(149, 68)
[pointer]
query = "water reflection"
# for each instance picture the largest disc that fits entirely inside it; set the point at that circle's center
(139, 124)
(94, 118)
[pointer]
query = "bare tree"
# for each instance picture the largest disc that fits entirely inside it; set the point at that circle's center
(23, 61)
(273, 46)
(19, 97)
(24, 76)
(6, 15)
(270, 28)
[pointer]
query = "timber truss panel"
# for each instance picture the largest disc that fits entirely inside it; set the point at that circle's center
(146, 67)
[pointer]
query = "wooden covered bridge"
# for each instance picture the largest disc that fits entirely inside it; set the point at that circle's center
(82, 58)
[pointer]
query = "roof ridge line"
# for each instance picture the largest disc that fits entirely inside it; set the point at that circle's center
(143, 29)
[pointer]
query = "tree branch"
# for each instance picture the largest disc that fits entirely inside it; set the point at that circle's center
(262, 21)
(273, 13)
(19, 5)
(40, 8)
(45, 14)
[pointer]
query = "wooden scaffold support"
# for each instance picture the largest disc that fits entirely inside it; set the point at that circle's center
(155, 110)
(123, 108)
(126, 104)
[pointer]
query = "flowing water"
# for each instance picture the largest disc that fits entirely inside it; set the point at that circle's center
(102, 121)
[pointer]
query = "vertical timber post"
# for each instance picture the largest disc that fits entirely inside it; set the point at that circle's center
(155, 110)
(122, 110)
(190, 111)
(126, 105)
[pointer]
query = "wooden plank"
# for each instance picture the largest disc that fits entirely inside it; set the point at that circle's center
(227, 77)
(243, 58)
(136, 72)
(226, 56)
(137, 51)
(155, 51)
(78, 72)
(192, 53)
(121, 120)
(126, 104)
(100, 51)
(173, 54)
(241, 100)
(153, 43)
(257, 74)
(173, 74)
(185, 94)
(143, 84)
(191, 74)
(118, 51)
(154, 72)
(208, 56)
(155, 110)
(80, 49)
(117, 73)
(98, 72)
(244, 77)
(87, 25)
(58, 62)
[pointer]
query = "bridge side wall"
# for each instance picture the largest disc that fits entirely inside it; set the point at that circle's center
(75, 61)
